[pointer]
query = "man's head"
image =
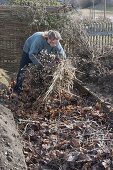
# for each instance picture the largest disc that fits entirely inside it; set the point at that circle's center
(53, 38)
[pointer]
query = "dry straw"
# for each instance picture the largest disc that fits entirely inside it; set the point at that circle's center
(62, 78)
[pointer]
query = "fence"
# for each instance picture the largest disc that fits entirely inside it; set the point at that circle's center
(13, 32)
(100, 33)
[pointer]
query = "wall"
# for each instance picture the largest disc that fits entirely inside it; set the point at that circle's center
(13, 32)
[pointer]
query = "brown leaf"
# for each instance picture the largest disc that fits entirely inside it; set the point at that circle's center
(76, 143)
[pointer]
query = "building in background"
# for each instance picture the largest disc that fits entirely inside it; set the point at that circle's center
(2, 2)
(80, 3)
(108, 2)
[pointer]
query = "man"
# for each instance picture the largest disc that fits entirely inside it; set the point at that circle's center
(49, 41)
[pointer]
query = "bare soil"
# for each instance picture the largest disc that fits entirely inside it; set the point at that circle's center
(11, 155)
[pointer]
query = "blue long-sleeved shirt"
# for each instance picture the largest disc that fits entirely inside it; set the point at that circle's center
(36, 43)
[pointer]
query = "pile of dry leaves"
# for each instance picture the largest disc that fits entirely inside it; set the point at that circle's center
(59, 130)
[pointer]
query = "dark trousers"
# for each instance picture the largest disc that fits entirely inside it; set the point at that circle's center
(20, 76)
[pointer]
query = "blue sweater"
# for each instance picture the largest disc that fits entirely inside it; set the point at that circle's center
(36, 43)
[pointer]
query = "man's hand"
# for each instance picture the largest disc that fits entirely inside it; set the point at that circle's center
(37, 62)
(40, 66)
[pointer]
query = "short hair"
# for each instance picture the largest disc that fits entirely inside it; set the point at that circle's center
(52, 34)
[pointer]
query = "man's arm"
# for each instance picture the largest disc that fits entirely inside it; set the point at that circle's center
(34, 50)
(60, 50)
